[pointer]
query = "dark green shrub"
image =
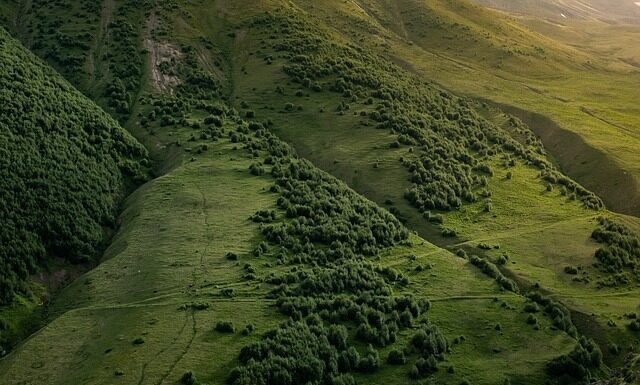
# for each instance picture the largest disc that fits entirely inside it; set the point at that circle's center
(213, 120)
(426, 366)
(396, 357)
(248, 329)
(614, 348)
(449, 233)
(231, 256)
(370, 362)
(256, 169)
(188, 379)
(225, 327)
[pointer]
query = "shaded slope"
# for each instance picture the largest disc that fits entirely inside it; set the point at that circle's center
(64, 166)
(584, 162)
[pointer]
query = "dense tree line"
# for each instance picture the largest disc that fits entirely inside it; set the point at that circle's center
(450, 141)
(559, 314)
(62, 168)
(299, 352)
(323, 210)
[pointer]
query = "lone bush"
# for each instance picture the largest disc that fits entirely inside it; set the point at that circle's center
(396, 357)
(225, 327)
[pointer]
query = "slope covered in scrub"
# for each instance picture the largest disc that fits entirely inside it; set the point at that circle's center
(63, 168)
(244, 262)
(328, 215)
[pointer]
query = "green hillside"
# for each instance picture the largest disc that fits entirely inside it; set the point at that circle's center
(240, 231)
(367, 192)
(578, 79)
(66, 165)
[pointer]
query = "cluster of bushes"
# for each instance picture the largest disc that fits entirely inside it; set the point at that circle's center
(431, 346)
(196, 83)
(451, 141)
(264, 216)
(376, 319)
(63, 168)
(577, 366)
(352, 277)
(310, 351)
(560, 315)
(492, 271)
(301, 352)
(615, 280)
(169, 111)
(322, 210)
(621, 247)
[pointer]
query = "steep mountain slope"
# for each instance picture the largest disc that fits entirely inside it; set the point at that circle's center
(64, 168)
(240, 229)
